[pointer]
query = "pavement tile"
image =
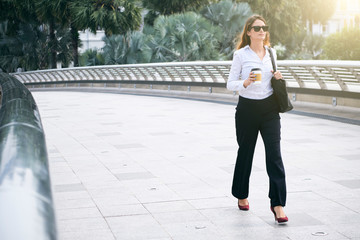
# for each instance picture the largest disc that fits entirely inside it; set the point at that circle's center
(134, 176)
(297, 220)
(337, 217)
(350, 183)
(122, 210)
(88, 235)
(197, 190)
(156, 193)
(179, 217)
(74, 203)
(69, 187)
(78, 213)
(347, 230)
(254, 234)
(136, 227)
(169, 206)
(114, 190)
(313, 232)
(217, 202)
(83, 224)
(193, 230)
(129, 146)
(121, 199)
(351, 156)
(138, 167)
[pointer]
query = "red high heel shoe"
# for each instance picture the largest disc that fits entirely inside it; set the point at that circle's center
(244, 208)
(279, 220)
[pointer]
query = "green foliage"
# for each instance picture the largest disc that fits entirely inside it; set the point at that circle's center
(129, 48)
(150, 17)
(64, 48)
(283, 17)
(316, 10)
(280, 51)
(16, 12)
(114, 16)
(344, 45)
(167, 7)
(184, 37)
(29, 47)
(231, 18)
(34, 31)
(45, 13)
(288, 21)
(12, 48)
(312, 45)
(45, 10)
(33, 12)
(303, 46)
(92, 57)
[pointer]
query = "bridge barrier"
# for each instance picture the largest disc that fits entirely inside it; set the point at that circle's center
(333, 82)
(26, 203)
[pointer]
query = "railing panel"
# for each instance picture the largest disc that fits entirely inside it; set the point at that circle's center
(339, 78)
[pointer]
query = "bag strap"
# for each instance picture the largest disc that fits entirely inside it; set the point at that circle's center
(272, 58)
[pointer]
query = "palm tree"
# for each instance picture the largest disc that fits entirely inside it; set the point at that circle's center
(58, 13)
(63, 13)
(8, 62)
(19, 35)
(64, 48)
(23, 49)
(45, 12)
(114, 16)
(184, 37)
(168, 7)
(231, 18)
(25, 41)
(92, 57)
(129, 48)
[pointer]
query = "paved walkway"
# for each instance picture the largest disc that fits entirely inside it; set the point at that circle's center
(139, 167)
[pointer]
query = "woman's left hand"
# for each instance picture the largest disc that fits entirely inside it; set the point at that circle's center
(277, 75)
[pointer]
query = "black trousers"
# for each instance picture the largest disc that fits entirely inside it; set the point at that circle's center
(252, 117)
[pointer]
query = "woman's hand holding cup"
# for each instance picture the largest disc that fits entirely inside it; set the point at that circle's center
(254, 77)
(250, 79)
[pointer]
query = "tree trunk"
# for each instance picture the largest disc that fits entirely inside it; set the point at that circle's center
(75, 45)
(52, 44)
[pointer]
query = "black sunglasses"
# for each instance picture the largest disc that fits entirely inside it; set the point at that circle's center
(257, 28)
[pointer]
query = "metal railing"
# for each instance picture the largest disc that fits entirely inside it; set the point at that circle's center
(326, 78)
(26, 204)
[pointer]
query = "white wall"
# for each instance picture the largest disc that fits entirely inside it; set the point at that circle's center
(91, 41)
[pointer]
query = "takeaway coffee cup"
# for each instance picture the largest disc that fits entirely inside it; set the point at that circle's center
(257, 72)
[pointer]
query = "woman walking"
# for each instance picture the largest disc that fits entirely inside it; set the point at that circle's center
(257, 111)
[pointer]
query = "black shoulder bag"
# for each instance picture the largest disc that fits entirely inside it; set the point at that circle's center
(280, 91)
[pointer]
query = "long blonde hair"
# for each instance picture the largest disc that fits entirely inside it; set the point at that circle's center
(243, 39)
